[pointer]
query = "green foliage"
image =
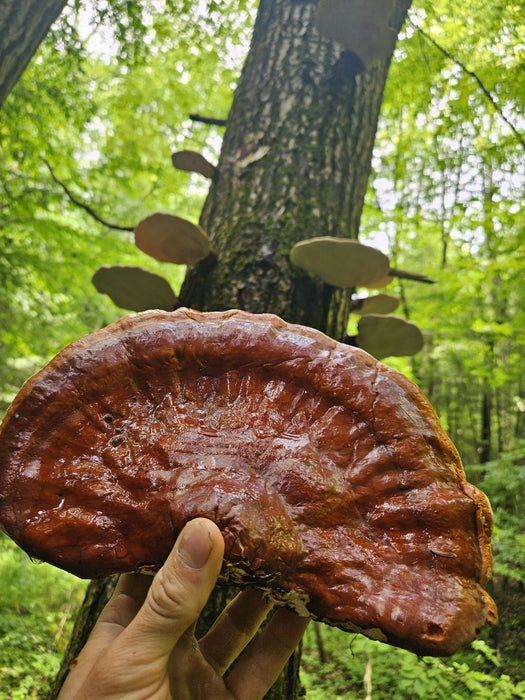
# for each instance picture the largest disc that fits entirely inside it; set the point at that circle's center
(443, 200)
(503, 480)
(108, 134)
(37, 605)
(396, 674)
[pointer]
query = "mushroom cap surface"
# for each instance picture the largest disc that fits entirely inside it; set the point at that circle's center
(193, 162)
(388, 336)
(334, 486)
(169, 238)
(134, 288)
(341, 262)
(379, 304)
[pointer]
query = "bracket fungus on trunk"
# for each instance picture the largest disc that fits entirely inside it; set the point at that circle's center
(169, 238)
(375, 304)
(380, 283)
(135, 288)
(193, 162)
(344, 262)
(335, 487)
(341, 262)
(360, 26)
(388, 336)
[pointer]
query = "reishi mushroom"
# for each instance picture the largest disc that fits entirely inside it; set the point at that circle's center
(169, 238)
(341, 262)
(335, 487)
(388, 336)
(193, 162)
(361, 26)
(134, 288)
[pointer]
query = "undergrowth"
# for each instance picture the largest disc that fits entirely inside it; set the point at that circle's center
(37, 604)
(356, 667)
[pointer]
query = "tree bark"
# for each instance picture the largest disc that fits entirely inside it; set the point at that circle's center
(294, 164)
(485, 442)
(23, 25)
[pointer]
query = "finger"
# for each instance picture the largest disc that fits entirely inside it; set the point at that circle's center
(122, 607)
(128, 596)
(262, 662)
(124, 604)
(233, 629)
(177, 594)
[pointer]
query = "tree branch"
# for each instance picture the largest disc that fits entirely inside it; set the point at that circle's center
(473, 75)
(84, 206)
(414, 276)
(208, 120)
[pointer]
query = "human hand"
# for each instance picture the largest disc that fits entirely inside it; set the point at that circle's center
(144, 646)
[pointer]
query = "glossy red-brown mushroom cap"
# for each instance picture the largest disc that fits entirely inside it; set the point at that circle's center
(328, 473)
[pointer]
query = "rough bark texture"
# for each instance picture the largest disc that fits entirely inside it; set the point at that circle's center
(23, 25)
(294, 164)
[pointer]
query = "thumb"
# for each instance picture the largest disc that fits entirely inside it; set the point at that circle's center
(178, 592)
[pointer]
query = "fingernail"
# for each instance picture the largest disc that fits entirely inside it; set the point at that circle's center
(195, 545)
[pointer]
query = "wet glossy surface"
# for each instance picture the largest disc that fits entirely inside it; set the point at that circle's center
(324, 469)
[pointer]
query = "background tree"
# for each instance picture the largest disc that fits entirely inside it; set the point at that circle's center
(23, 25)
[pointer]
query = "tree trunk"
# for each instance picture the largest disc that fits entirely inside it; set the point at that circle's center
(294, 164)
(23, 25)
(485, 442)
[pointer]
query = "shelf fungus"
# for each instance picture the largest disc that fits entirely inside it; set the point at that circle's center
(169, 238)
(193, 162)
(375, 304)
(334, 486)
(340, 262)
(133, 288)
(388, 336)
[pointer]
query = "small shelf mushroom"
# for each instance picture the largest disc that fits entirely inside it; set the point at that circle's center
(380, 283)
(375, 304)
(335, 487)
(134, 288)
(340, 262)
(360, 26)
(388, 336)
(194, 162)
(169, 238)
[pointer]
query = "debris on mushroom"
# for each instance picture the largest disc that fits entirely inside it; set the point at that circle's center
(375, 304)
(169, 238)
(336, 489)
(134, 288)
(340, 262)
(388, 336)
(360, 26)
(194, 162)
